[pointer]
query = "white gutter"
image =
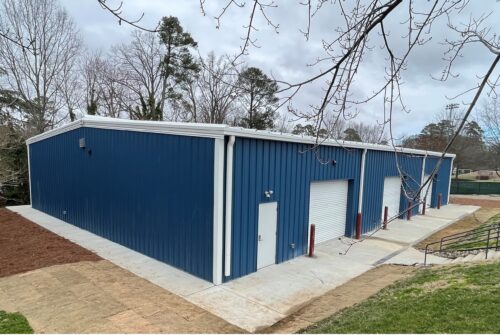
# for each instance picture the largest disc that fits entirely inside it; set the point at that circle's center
(422, 177)
(362, 181)
(229, 204)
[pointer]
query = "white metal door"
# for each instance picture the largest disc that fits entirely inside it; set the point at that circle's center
(328, 209)
(266, 250)
(391, 196)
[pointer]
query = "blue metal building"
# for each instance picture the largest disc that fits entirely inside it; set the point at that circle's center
(221, 202)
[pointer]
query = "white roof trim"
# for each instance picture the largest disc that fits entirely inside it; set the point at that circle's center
(173, 128)
(56, 131)
(213, 131)
(269, 135)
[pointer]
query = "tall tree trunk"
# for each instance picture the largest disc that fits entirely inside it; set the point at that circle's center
(250, 112)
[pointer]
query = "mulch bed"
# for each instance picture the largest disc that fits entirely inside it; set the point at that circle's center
(25, 246)
(475, 202)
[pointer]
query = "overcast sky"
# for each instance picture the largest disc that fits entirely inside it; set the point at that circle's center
(286, 55)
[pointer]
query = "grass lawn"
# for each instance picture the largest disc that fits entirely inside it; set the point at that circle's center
(450, 299)
(493, 220)
(14, 323)
(475, 242)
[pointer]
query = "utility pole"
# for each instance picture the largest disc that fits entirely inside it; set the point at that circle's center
(450, 108)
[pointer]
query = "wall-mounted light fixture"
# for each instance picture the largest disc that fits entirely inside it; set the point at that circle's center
(268, 193)
(81, 142)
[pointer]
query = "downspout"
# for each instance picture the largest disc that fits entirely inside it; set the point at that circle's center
(229, 205)
(359, 217)
(422, 177)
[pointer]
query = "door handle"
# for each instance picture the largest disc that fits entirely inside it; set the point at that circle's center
(260, 238)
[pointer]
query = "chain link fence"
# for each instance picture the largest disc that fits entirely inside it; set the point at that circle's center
(474, 187)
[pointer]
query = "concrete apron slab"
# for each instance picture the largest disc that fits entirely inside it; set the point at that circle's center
(261, 299)
(421, 226)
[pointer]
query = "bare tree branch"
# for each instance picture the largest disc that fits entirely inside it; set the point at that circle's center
(117, 12)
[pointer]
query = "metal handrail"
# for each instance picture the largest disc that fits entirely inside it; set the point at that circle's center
(458, 239)
(470, 236)
(473, 230)
(466, 234)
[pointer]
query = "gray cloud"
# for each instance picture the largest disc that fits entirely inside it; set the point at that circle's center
(287, 54)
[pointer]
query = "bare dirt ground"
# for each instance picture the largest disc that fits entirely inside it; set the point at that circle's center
(467, 223)
(483, 201)
(26, 246)
(346, 295)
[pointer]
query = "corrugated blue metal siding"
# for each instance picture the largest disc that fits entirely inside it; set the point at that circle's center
(441, 179)
(287, 169)
(150, 192)
(381, 164)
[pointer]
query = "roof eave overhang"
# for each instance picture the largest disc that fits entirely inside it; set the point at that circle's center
(217, 131)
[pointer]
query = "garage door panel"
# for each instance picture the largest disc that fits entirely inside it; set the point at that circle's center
(328, 209)
(391, 195)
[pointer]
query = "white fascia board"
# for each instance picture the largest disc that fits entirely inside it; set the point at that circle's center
(159, 130)
(215, 131)
(67, 127)
(172, 128)
(259, 134)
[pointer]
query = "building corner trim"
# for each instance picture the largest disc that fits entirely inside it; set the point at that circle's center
(449, 182)
(29, 174)
(422, 181)
(218, 217)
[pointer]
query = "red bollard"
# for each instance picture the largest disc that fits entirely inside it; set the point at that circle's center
(358, 226)
(440, 198)
(409, 210)
(386, 214)
(311, 240)
(423, 208)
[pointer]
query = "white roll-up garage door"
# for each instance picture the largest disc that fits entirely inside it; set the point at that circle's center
(391, 196)
(328, 209)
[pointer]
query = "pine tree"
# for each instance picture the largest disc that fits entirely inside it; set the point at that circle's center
(258, 95)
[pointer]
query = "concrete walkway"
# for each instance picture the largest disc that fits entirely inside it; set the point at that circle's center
(265, 297)
(100, 297)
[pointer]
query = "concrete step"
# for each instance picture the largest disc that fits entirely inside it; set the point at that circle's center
(469, 258)
(479, 257)
(492, 254)
(458, 260)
